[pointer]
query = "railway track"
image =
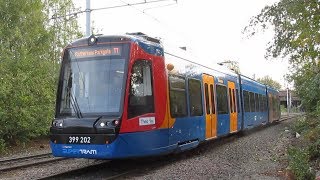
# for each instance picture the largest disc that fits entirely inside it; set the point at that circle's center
(27, 161)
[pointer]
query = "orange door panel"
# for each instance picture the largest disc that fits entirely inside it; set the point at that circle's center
(233, 107)
(211, 120)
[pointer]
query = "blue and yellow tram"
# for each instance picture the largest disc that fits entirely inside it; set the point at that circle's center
(126, 96)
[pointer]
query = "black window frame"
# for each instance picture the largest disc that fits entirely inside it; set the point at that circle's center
(225, 109)
(206, 91)
(174, 105)
(246, 98)
(141, 109)
(195, 97)
(213, 104)
(252, 102)
(238, 101)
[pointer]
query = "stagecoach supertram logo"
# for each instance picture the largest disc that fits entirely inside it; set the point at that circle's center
(79, 151)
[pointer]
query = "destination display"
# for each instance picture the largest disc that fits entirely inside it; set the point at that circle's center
(101, 51)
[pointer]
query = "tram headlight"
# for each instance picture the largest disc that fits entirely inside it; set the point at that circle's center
(102, 124)
(57, 123)
(92, 40)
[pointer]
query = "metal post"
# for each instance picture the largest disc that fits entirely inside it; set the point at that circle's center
(88, 21)
(288, 101)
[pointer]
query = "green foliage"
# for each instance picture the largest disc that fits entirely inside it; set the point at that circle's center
(28, 69)
(314, 149)
(301, 125)
(296, 25)
(299, 164)
(300, 159)
(270, 82)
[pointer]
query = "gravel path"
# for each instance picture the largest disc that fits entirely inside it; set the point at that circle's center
(258, 154)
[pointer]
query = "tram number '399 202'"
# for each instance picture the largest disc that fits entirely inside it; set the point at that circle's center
(79, 140)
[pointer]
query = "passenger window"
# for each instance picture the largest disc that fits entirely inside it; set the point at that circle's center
(260, 103)
(265, 103)
(222, 99)
(141, 91)
(252, 106)
(213, 105)
(178, 103)
(246, 101)
(195, 97)
(230, 101)
(238, 102)
(206, 89)
(256, 102)
(234, 101)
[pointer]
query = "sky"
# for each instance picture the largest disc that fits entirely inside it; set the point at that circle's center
(210, 29)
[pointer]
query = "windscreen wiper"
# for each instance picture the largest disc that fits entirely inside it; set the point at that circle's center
(75, 106)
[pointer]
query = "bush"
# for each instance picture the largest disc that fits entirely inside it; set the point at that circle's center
(299, 164)
(300, 125)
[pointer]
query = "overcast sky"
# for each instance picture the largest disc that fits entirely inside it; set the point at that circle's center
(208, 28)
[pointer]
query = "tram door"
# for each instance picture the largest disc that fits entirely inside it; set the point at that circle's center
(233, 107)
(211, 116)
(270, 105)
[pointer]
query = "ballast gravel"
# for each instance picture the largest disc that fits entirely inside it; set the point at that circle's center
(257, 154)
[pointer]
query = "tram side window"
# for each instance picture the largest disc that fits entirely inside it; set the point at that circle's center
(261, 102)
(141, 91)
(230, 101)
(238, 102)
(252, 104)
(265, 103)
(256, 100)
(195, 97)
(206, 89)
(178, 103)
(213, 104)
(222, 99)
(234, 101)
(246, 101)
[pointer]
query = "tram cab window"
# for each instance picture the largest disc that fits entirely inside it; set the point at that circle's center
(141, 99)
(178, 103)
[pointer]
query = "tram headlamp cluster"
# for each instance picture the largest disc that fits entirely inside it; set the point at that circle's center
(103, 123)
(57, 123)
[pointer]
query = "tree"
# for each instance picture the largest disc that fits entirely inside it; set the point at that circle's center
(27, 75)
(61, 23)
(267, 80)
(296, 25)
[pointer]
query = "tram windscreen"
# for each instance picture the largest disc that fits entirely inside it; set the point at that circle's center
(92, 81)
